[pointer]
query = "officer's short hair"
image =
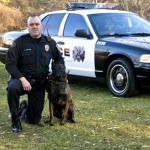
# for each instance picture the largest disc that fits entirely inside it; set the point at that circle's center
(32, 16)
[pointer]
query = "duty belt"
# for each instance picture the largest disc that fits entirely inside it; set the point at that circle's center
(35, 81)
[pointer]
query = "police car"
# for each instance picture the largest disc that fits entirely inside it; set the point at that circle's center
(102, 43)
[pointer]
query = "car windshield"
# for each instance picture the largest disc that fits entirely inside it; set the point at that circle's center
(119, 24)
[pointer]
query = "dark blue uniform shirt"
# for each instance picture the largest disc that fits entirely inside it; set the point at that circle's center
(27, 57)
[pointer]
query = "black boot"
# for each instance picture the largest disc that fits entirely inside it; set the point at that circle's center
(16, 125)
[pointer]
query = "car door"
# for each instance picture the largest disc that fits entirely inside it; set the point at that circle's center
(77, 51)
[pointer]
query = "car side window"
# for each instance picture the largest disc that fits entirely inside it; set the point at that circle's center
(73, 23)
(44, 21)
(53, 24)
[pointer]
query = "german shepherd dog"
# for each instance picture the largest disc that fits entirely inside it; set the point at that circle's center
(61, 105)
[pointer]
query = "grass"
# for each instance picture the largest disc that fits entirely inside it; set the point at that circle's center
(104, 122)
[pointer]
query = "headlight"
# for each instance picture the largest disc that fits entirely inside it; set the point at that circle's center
(8, 40)
(145, 58)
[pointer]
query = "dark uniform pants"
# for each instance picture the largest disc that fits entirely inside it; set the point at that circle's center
(35, 100)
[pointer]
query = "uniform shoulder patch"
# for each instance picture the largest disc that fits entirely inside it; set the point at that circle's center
(13, 44)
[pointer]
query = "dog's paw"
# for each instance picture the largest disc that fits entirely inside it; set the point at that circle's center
(40, 125)
(72, 121)
(46, 122)
(51, 124)
(62, 123)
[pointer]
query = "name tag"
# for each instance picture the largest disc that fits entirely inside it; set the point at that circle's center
(27, 50)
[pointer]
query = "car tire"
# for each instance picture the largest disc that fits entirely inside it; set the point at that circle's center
(121, 79)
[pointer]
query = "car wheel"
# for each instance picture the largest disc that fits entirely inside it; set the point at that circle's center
(121, 79)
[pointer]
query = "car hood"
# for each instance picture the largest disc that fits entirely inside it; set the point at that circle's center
(143, 42)
(14, 34)
(9, 37)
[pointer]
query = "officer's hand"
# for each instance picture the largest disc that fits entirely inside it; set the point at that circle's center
(26, 85)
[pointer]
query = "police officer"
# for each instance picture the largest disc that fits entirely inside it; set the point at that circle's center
(27, 62)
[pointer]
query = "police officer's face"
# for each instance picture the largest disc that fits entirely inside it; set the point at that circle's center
(34, 26)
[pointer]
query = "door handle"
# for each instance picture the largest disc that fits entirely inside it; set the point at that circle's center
(60, 43)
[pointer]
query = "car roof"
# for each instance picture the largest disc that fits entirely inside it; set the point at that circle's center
(86, 11)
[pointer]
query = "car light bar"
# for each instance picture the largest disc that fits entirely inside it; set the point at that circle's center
(84, 5)
(78, 5)
(107, 5)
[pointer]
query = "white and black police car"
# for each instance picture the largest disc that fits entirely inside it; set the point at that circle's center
(101, 43)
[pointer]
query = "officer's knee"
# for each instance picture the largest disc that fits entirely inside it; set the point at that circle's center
(14, 85)
(11, 89)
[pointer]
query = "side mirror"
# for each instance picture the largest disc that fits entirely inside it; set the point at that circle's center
(83, 33)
